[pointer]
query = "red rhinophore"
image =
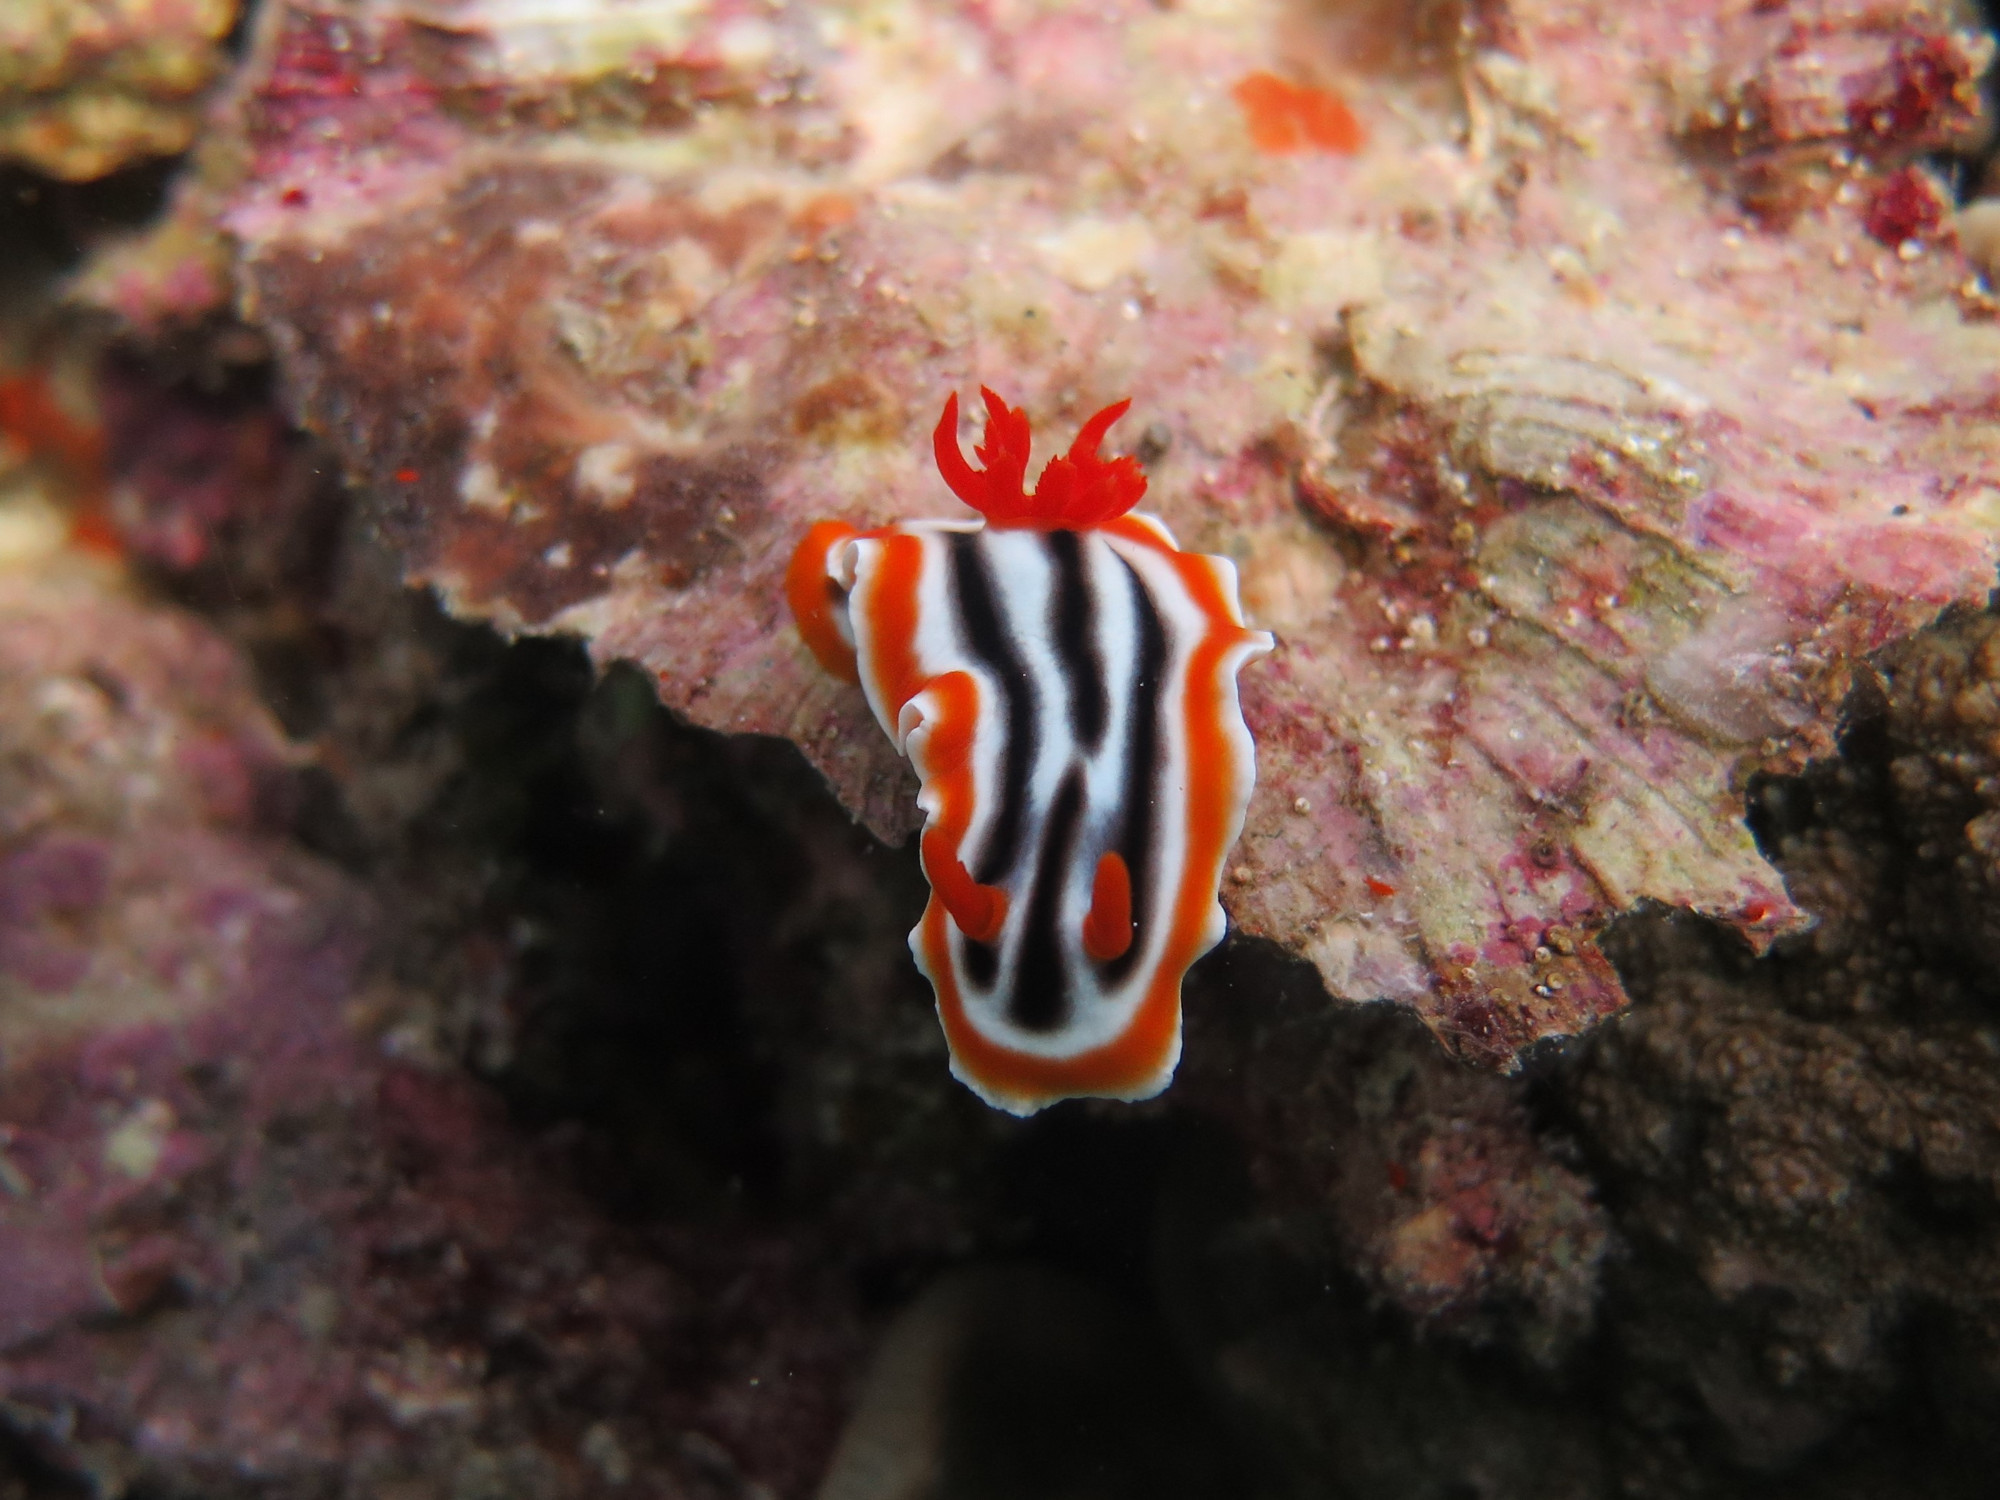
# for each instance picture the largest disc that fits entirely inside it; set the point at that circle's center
(1077, 490)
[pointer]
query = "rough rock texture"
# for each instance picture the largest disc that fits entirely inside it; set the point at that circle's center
(89, 86)
(1818, 1139)
(679, 966)
(1784, 100)
(1760, 1256)
(257, 1241)
(1572, 489)
(1426, 1179)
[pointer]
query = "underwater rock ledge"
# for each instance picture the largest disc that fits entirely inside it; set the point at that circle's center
(1576, 448)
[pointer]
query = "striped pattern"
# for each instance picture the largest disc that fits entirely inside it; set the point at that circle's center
(1065, 695)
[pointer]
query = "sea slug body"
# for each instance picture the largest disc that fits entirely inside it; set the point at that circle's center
(1063, 678)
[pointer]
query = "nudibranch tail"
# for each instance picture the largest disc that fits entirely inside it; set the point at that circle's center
(1063, 679)
(1079, 489)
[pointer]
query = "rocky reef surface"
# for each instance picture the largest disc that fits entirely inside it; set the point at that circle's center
(1575, 431)
(90, 86)
(431, 1066)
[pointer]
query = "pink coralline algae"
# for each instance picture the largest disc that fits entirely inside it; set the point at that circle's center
(1576, 436)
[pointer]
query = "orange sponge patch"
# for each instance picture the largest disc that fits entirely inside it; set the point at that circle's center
(1285, 117)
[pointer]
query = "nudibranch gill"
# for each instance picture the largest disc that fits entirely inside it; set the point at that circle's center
(1063, 678)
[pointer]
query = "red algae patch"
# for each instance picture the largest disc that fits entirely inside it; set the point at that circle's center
(1909, 206)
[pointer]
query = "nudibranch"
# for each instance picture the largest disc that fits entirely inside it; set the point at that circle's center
(1063, 678)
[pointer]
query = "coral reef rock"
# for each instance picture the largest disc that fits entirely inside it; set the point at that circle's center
(257, 1241)
(1572, 488)
(89, 86)
(1814, 1141)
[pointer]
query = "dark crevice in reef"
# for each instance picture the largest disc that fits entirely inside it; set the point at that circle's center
(25, 1476)
(1969, 172)
(671, 953)
(47, 226)
(632, 1013)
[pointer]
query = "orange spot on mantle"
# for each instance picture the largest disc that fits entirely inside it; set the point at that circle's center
(1285, 117)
